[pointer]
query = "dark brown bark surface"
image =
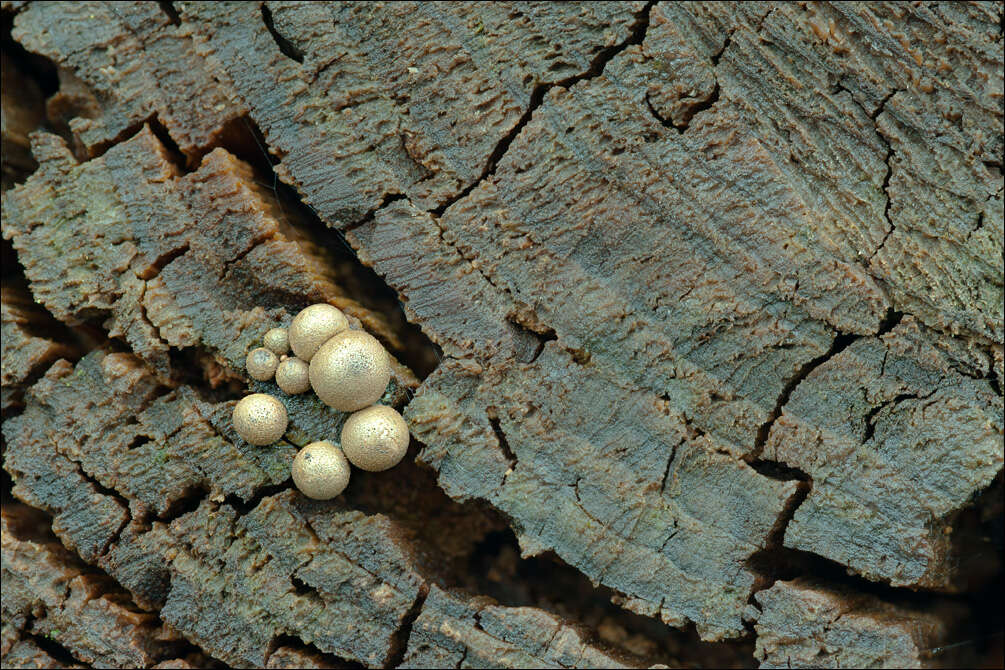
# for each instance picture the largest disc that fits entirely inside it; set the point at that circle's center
(696, 311)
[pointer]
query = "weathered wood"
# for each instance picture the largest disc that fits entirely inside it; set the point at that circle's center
(709, 280)
(57, 597)
(27, 348)
(911, 425)
(153, 229)
(457, 631)
(136, 65)
(192, 569)
(801, 624)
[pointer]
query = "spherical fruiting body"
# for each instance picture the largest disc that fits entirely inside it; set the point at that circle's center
(350, 371)
(314, 326)
(375, 438)
(320, 470)
(260, 419)
(277, 341)
(261, 364)
(293, 376)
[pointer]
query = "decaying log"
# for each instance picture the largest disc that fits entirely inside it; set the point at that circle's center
(806, 625)
(28, 349)
(455, 631)
(707, 287)
(48, 593)
(910, 424)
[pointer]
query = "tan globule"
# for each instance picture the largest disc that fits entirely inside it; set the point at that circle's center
(350, 371)
(375, 438)
(261, 364)
(277, 341)
(293, 376)
(314, 326)
(320, 470)
(260, 419)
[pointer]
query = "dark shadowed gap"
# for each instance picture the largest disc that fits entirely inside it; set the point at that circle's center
(243, 507)
(244, 139)
(39, 68)
(447, 530)
(977, 552)
(288, 48)
(170, 12)
(497, 569)
(6, 483)
(188, 501)
(399, 642)
(50, 646)
(198, 369)
(309, 652)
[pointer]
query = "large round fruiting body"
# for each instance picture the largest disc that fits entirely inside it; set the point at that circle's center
(261, 364)
(350, 371)
(375, 438)
(277, 341)
(314, 326)
(293, 376)
(260, 419)
(320, 471)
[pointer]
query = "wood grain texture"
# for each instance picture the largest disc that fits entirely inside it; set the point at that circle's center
(807, 625)
(703, 289)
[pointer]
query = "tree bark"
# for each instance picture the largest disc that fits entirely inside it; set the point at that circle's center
(696, 312)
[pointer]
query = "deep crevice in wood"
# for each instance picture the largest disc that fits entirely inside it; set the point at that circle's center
(170, 12)
(288, 48)
(637, 34)
(501, 438)
(51, 646)
(41, 69)
(841, 342)
(287, 641)
(246, 141)
(546, 581)
(769, 468)
(399, 643)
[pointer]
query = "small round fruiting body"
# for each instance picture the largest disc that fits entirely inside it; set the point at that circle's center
(261, 364)
(293, 376)
(260, 419)
(314, 326)
(350, 371)
(375, 438)
(277, 341)
(320, 470)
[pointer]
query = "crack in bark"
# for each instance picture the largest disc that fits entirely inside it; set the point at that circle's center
(109, 492)
(170, 12)
(885, 187)
(841, 342)
(51, 646)
(689, 112)
(399, 641)
(666, 471)
(288, 48)
(637, 34)
(508, 454)
(870, 418)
